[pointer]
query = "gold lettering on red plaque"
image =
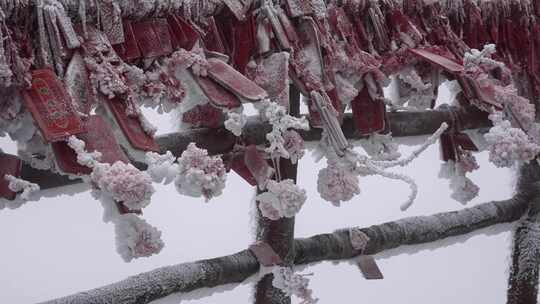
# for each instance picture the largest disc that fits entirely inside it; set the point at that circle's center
(51, 107)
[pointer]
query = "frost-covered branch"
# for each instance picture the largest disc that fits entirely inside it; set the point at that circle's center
(235, 268)
(524, 270)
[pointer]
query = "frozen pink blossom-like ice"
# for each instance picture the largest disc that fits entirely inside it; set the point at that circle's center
(136, 238)
(124, 183)
(508, 145)
(200, 174)
(293, 284)
(283, 199)
(337, 184)
(294, 144)
(161, 167)
(463, 189)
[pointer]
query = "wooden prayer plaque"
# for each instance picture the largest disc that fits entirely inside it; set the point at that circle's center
(369, 268)
(51, 107)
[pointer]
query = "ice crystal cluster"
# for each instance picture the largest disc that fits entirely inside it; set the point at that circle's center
(277, 116)
(124, 183)
(135, 238)
(25, 192)
(235, 122)
(291, 284)
(509, 145)
(200, 174)
(337, 184)
(161, 167)
(282, 199)
(463, 188)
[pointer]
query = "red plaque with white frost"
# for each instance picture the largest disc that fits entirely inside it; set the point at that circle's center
(51, 107)
(131, 126)
(98, 138)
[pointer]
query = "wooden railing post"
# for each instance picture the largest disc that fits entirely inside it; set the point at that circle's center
(279, 234)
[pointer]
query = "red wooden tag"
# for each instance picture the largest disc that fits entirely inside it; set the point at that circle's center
(129, 50)
(237, 83)
(51, 107)
(257, 165)
(238, 165)
(218, 96)
(131, 126)
(448, 147)
(213, 40)
(265, 254)
(369, 115)
(205, 116)
(239, 37)
(483, 98)
(438, 60)
(98, 138)
(369, 268)
(9, 165)
(465, 142)
(77, 83)
(184, 32)
(153, 37)
(288, 27)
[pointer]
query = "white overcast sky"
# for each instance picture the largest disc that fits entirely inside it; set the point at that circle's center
(59, 245)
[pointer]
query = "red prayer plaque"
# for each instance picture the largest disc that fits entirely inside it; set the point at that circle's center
(465, 142)
(203, 116)
(257, 165)
(129, 50)
(9, 165)
(51, 107)
(153, 37)
(213, 40)
(265, 254)
(369, 268)
(438, 60)
(99, 138)
(448, 147)
(237, 8)
(131, 126)
(369, 115)
(239, 37)
(238, 165)
(483, 98)
(218, 96)
(77, 83)
(183, 31)
(233, 80)
(288, 27)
